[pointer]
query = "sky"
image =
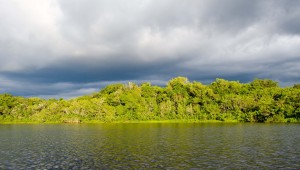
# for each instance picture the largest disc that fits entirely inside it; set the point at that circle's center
(68, 48)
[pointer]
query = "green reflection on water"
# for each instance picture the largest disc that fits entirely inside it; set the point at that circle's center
(150, 145)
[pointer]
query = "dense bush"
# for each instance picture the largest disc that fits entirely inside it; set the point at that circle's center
(258, 101)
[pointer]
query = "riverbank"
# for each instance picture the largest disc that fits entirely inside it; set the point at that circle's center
(134, 121)
(120, 121)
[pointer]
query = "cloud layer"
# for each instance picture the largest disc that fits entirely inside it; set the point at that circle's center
(73, 47)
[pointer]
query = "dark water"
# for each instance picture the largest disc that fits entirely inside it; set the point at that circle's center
(150, 146)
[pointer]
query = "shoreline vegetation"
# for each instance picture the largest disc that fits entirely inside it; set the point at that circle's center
(261, 100)
(124, 121)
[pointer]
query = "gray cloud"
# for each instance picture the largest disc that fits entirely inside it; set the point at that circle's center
(68, 48)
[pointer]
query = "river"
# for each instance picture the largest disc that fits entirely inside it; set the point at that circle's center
(150, 146)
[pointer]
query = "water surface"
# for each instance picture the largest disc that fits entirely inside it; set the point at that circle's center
(150, 146)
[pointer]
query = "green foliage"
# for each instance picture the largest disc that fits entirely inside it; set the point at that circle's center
(258, 101)
(296, 86)
(258, 83)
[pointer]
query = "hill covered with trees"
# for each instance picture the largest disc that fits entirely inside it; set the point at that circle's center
(258, 101)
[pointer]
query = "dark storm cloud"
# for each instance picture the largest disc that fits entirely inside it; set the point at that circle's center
(73, 47)
(85, 72)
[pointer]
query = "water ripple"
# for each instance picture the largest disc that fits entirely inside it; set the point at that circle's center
(150, 146)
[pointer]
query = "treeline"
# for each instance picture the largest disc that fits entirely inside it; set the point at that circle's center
(258, 101)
